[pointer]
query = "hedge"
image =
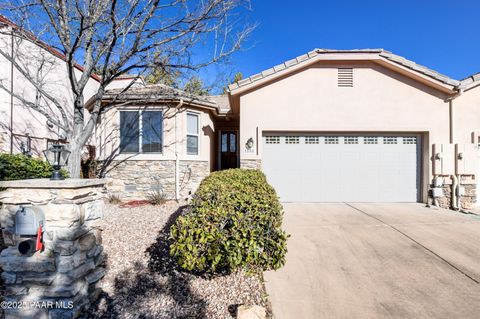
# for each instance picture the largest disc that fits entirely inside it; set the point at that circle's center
(234, 221)
(18, 166)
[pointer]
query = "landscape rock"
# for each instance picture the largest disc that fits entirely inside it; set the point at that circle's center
(251, 312)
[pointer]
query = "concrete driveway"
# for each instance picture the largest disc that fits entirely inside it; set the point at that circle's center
(377, 261)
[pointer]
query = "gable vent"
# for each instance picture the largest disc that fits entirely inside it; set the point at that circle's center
(345, 77)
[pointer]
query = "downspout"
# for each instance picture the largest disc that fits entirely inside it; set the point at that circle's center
(177, 159)
(455, 200)
(11, 97)
(454, 203)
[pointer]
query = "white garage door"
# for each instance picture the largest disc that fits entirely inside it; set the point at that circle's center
(342, 168)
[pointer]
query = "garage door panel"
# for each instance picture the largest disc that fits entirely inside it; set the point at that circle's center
(328, 168)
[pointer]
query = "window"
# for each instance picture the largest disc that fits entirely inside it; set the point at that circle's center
(152, 131)
(192, 134)
(292, 140)
(351, 140)
(331, 139)
(272, 139)
(410, 140)
(141, 131)
(312, 139)
(370, 140)
(129, 131)
(389, 140)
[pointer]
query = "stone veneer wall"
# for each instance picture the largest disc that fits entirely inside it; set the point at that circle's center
(135, 179)
(60, 281)
(251, 163)
(466, 202)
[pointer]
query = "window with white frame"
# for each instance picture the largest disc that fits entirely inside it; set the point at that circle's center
(331, 140)
(292, 139)
(141, 131)
(312, 139)
(350, 140)
(272, 139)
(409, 140)
(389, 140)
(370, 140)
(192, 133)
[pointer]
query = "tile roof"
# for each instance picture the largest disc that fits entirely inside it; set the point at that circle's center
(470, 80)
(162, 92)
(317, 52)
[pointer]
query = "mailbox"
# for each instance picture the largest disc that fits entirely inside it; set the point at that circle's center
(29, 222)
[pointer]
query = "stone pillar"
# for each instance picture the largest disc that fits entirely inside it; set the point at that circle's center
(59, 281)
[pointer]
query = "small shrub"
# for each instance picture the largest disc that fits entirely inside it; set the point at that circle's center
(156, 197)
(114, 199)
(234, 222)
(18, 166)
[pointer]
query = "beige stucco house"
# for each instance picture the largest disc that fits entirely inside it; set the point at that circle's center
(328, 126)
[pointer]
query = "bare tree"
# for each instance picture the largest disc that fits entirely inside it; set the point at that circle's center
(114, 37)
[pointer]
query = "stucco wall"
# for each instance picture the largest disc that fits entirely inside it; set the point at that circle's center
(53, 79)
(466, 116)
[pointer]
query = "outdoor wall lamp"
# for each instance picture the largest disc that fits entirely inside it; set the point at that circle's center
(26, 149)
(249, 144)
(438, 156)
(57, 156)
(460, 156)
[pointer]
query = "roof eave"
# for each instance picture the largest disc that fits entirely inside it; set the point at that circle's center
(138, 99)
(270, 75)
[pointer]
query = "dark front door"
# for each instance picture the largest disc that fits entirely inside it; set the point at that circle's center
(228, 150)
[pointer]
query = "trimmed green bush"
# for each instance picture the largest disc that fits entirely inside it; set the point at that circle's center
(234, 222)
(18, 166)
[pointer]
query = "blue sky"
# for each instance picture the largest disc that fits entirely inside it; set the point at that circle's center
(442, 35)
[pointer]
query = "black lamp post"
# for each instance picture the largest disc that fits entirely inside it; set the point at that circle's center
(57, 156)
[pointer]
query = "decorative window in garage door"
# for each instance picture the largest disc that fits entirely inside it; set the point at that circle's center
(312, 140)
(351, 140)
(370, 140)
(272, 139)
(292, 139)
(409, 140)
(331, 139)
(389, 140)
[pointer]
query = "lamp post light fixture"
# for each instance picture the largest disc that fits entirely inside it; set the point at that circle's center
(57, 156)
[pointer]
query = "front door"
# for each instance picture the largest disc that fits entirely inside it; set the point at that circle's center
(228, 150)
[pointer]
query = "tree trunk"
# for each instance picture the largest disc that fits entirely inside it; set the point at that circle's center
(74, 161)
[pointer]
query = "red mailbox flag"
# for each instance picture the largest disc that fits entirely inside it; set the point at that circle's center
(39, 245)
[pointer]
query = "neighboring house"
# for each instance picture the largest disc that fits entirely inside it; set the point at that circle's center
(328, 126)
(47, 68)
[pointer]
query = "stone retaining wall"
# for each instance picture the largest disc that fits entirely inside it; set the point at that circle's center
(135, 179)
(60, 281)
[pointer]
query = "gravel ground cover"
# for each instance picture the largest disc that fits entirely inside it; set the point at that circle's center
(142, 281)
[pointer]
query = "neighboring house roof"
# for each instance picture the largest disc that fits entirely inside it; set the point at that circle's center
(161, 93)
(6, 22)
(316, 53)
